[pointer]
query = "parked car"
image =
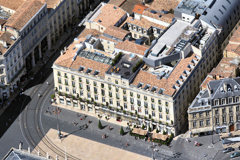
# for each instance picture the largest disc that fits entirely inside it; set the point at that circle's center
(235, 154)
(228, 149)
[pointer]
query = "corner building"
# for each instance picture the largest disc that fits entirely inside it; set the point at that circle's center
(155, 93)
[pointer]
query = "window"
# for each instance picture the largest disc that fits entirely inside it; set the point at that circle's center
(145, 98)
(59, 74)
(194, 124)
(124, 98)
(131, 94)
(103, 92)
(160, 108)
(109, 87)
(152, 99)
(110, 94)
(237, 108)
(125, 105)
(207, 122)
(201, 123)
(200, 114)
(59, 80)
(74, 91)
(138, 102)
(73, 83)
(216, 111)
(217, 120)
(73, 77)
(110, 101)
(167, 110)
(153, 113)
(166, 103)
(223, 110)
(66, 82)
(116, 81)
(95, 83)
(230, 109)
(231, 118)
(87, 81)
(132, 107)
(102, 85)
(160, 115)
(167, 117)
(223, 101)
(80, 79)
(194, 115)
(131, 100)
(216, 102)
(145, 104)
(146, 111)
(159, 102)
(224, 119)
(103, 99)
(60, 87)
(207, 113)
(67, 89)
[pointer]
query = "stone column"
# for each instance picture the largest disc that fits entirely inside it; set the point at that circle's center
(40, 51)
(33, 59)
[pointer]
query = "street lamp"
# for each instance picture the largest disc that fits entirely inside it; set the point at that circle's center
(57, 111)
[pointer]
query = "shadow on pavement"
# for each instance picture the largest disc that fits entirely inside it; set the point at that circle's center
(12, 112)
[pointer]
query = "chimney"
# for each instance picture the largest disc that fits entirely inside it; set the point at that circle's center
(225, 87)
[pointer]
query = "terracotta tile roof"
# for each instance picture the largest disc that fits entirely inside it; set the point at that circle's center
(109, 15)
(117, 2)
(66, 60)
(5, 37)
(162, 17)
(224, 69)
(206, 81)
(144, 23)
(11, 4)
(234, 43)
(86, 32)
(51, 3)
(139, 8)
(116, 32)
(24, 13)
(146, 77)
(166, 5)
(2, 21)
(132, 47)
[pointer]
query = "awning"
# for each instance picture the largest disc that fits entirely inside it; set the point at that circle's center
(139, 131)
(159, 136)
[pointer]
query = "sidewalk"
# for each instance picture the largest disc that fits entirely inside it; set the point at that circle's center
(111, 120)
(78, 147)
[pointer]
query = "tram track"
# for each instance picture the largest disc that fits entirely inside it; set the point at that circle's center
(38, 128)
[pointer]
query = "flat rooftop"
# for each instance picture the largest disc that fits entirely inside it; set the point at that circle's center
(193, 7)
(125, 66)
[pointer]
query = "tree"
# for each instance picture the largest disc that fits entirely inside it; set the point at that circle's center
(121, 131)
(100, 125)
(52, 96)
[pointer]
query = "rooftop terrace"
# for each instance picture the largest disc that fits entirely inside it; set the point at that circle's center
(126, 67)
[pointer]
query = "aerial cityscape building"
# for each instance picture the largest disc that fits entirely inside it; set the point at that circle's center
(146, 79)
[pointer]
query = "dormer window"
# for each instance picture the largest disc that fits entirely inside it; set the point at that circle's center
(96, 73)
(81, 68)
(230, 100)
(139, 85)
(147, 87)
(223, 101)
(216, 102)
(88, 70)
(237, 99)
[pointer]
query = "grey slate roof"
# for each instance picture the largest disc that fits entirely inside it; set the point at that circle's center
(15, 154)
(217, 89)
(220, 13)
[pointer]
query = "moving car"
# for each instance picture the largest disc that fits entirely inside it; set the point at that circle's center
(235, 154)
(228, 149)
